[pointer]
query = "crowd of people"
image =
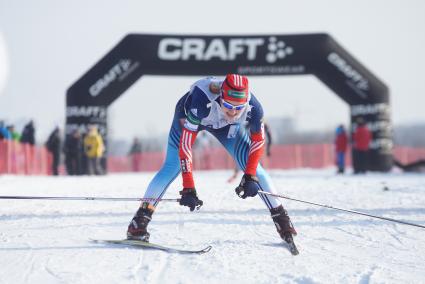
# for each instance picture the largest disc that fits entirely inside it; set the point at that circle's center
(83, 151)
(8, 132)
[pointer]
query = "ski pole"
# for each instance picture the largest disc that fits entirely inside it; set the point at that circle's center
(342, 209)
(90, 198)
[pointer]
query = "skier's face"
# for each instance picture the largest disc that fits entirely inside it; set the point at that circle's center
(232, 110)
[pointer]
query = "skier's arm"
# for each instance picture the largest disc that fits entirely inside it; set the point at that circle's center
(256, 150)
(194, 114)
(189, 196)
(185, 154)
(195, 110)
(256, 127)
(249, 184)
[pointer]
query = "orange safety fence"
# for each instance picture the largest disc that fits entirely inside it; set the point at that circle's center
(24, 159)
(282, 157)
(148, 161)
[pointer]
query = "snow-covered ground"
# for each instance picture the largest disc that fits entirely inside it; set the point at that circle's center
(48, 241)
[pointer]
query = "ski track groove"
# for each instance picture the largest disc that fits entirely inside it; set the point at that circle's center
(151, 272)
(30, 268)
(135, 272)
(395, 237)
(52, 273)
(365, 277)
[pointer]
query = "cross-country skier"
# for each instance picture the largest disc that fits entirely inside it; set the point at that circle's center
(219, 107)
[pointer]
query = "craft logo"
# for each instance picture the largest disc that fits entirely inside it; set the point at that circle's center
(118, 72)
(86, 111)
(199, 49)
(375, 109)
(355, 79)
(277, 49)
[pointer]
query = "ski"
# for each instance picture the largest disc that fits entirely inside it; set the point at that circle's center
(147, 245)
(291, 245)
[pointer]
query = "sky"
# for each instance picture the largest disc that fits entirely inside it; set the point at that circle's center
(46, 45)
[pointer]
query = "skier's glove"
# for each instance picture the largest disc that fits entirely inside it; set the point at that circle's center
(190, 199)
(249, 186)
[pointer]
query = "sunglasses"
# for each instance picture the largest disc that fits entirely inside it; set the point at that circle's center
(231, 107)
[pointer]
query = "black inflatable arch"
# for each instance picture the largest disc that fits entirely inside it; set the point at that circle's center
(88, 98)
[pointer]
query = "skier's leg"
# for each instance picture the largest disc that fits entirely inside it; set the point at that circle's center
(137, 228)
(268, 186)
(238, 147)
(166, 175)
(279, 215)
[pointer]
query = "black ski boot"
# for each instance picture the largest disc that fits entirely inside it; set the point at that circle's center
(283, 223)
(284, 227)
(137, 229)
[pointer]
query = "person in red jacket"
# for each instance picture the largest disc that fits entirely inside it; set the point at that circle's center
(361, 139)
(341, 142)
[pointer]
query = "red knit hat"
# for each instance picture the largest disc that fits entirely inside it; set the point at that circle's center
(235, 88)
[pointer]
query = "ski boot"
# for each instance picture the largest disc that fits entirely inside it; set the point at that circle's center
(283, 223)
(284, 227)
(137, 229)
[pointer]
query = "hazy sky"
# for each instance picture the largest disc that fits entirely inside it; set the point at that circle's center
(51, 43)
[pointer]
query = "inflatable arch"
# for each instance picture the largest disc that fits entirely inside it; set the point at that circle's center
(87, 100)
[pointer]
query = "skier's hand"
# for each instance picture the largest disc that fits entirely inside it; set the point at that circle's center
(190, 199)
(249, 186)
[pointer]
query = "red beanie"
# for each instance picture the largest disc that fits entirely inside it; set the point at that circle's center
(235, 88)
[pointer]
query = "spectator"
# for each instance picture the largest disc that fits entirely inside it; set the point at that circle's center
(53, 145)
(341, 142)
(268, 139)
(361, 140)
(94, 148)
(134, 154)
(28, 134)
(4, 133)
(15, 135)
(73, 150)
